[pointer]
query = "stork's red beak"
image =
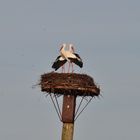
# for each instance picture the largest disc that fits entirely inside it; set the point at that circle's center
(61, 48)
(73, 49)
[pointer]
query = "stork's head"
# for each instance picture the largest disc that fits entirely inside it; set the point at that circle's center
(63, 46)
(71, 48)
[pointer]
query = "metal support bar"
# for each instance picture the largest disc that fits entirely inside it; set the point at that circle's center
(58, 106)
(83, 109)
(79, 106)
(59, 115)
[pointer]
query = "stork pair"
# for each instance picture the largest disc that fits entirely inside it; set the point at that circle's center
(67, 54)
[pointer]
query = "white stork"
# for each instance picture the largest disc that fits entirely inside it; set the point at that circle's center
(67, 55)
(60, 61)
(71, 57)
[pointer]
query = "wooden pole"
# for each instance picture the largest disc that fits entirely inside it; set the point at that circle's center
(68, 113)
(68, 130)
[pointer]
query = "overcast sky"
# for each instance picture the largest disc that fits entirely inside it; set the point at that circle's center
(106, 34)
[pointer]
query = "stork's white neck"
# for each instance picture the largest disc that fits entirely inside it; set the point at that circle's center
(71, 48)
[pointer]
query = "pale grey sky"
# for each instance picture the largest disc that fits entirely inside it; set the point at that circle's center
(106, 34)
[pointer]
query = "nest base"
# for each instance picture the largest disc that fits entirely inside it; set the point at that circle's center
(69, 84)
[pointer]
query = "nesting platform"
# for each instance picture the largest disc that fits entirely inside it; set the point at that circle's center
(69, 84)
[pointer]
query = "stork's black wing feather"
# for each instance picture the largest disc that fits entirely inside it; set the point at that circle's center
(58, 63)
(77, 55)
(77, 62)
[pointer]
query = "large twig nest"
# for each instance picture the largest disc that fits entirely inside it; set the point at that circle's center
(69, 83)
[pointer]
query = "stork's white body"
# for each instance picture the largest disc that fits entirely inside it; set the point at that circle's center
(67, 55)
(71, 57)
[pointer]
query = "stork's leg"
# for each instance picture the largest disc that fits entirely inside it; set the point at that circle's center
(72, 67)
(69, 67)
(63, 69)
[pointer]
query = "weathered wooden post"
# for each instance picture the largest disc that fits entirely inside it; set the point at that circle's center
(68, 113)
(71, 86)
